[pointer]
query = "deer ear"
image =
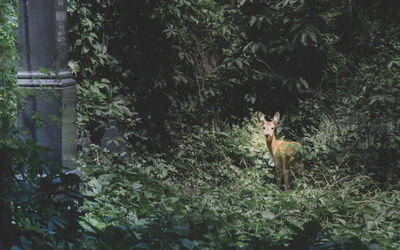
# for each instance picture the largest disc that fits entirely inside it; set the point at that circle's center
(276, 118)
(261, 117)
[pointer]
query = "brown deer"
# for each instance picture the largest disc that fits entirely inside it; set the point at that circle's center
(286, 154)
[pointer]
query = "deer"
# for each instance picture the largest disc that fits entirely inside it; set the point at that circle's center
(287, 155)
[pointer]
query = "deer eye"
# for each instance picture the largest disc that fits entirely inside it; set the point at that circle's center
(272, 128)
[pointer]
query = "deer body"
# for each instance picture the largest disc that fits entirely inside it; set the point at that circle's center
(285, 154)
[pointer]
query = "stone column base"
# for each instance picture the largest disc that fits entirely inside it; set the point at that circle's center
(47, 114)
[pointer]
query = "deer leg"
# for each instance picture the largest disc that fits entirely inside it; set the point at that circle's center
(300, 167)
(278, 167)
(286, 169)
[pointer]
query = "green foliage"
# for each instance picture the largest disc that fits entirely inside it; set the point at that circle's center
(110, 105)
(141, 204)
(358, 129)
(7, 109)
(44, 202)
(7, 59)
(171, 73)
(169, 54)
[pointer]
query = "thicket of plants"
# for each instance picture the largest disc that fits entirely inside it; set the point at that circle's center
(198, 173)
(182, 80)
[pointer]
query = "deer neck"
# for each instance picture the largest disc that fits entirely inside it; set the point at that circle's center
(272, 145)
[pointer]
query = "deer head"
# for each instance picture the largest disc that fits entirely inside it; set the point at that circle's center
(269, 127)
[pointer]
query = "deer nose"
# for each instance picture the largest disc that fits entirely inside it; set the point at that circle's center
(266, 135)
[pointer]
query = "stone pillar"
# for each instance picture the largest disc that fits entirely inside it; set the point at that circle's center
(47, 109)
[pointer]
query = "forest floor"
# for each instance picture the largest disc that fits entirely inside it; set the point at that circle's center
(214, 190)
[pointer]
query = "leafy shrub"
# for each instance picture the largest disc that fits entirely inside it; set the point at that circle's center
(44, 202)
(358, 135)
(142, 207)
(374, 126)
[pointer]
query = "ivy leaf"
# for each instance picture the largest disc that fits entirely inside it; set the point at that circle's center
(239, 63)
(312, 35)
(188, 243)
(266, 214)
(253, 19)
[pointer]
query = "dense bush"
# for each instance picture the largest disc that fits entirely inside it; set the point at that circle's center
(228, 201)
(183, 78)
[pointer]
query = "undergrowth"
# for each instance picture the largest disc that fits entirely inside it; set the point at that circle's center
(215, 191)
(194, 172)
